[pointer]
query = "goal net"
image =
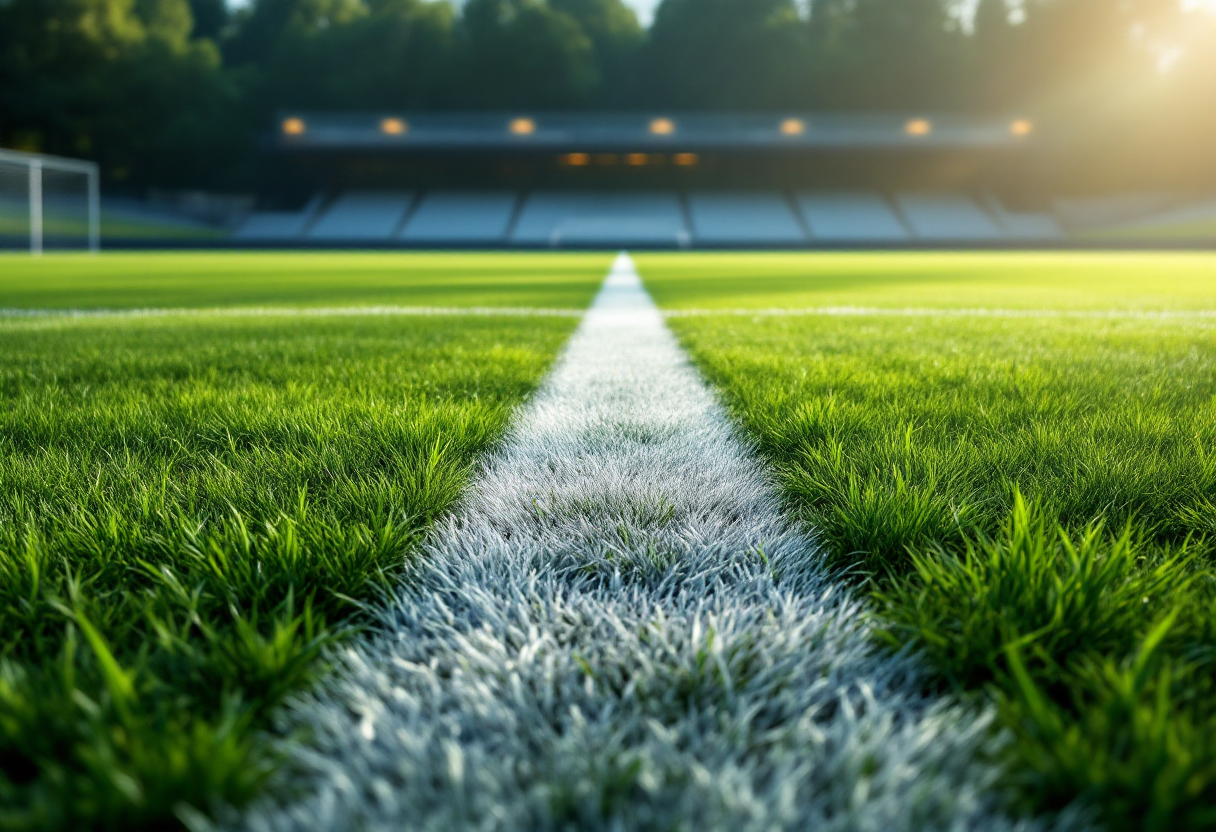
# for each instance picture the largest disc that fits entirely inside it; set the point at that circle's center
(47, 203)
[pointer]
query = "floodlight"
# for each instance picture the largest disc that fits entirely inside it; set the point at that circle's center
(793, 127)
(394, 127)
(662, 127)
(637, 159)
(1021, 127)
(576, 160)
(293, 126)
(523, 126)
(918, 127)
(686, 159)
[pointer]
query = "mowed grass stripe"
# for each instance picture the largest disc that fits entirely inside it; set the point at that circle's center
(191, 509)
(292, 311)
(929, 312)
(1031, 502)
(115, 280)
(618, 630)
(1135, 281)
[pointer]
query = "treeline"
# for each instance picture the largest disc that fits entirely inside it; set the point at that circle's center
(175, 92)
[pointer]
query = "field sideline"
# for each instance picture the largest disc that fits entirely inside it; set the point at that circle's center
(211, 462)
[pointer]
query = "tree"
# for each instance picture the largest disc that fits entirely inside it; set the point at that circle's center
(116, 80)
(523, 53)
(724, 53)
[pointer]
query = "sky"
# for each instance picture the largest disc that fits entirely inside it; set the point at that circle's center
(645, 9)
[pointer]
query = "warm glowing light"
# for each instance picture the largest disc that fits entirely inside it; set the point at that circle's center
(686, 159)
(576, 160)
(637, 159)
(394, 127)
(523, 126)
(293, 126)
(1021, 127)
(918, 127)
(792, 127)
(662, 127)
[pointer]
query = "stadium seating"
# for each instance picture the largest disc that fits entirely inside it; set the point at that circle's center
(455, 217)
(743, 218)
(856, 216)
(1193, 221)
(362, 216)
(1024, 225)
(946, 217)
(278, 226)
(640, 219)
(557, 219)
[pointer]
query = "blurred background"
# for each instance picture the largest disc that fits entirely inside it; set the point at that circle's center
(205, 112)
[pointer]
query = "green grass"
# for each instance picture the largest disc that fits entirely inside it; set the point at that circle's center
(207, 279)
(1015, 280)
(192, 508)
(1030, 501)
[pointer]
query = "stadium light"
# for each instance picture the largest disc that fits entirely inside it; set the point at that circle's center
(293, 126)
(918, 127)
(394, 127)
(637, 159)
(523, 126)
(1021, 127)
(686, 160)
(662, 127)
(576, 160)
(793, 127)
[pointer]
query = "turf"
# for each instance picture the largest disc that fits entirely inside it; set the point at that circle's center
(209, 279)
(192, 508)
(1011, 280)
(1030, 501)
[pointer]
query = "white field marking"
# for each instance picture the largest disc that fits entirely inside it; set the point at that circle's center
(617, 630)
(925, 312)
(303, 312)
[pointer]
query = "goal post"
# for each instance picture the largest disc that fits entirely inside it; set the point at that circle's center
(48, 202)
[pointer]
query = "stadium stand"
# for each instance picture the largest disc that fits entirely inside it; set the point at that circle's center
(362, 216)
(1193, 221)
(946, 217)
(743, 218)
(462, 217)
(1023, 225)
(1094, 213)
(637, 218)
(857, 216)
(279, 226)
(658, 219)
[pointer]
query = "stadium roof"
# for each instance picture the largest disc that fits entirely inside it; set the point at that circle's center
(650, 132)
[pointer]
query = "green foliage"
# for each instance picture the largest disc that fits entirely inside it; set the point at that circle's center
(1086, 610)
(191, 509)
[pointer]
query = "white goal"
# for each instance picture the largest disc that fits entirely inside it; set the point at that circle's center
(48, 202)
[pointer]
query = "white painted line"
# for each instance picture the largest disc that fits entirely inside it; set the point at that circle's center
(618, 630)
(291, 311)
(926, 312)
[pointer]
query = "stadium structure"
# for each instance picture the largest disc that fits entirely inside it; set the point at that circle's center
(623, 180)
(649, 180)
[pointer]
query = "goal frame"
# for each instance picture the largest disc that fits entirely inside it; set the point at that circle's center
(35, 164)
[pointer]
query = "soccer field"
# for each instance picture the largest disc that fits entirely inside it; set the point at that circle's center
(353, 540)
(1012, 454)
(193, 507)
